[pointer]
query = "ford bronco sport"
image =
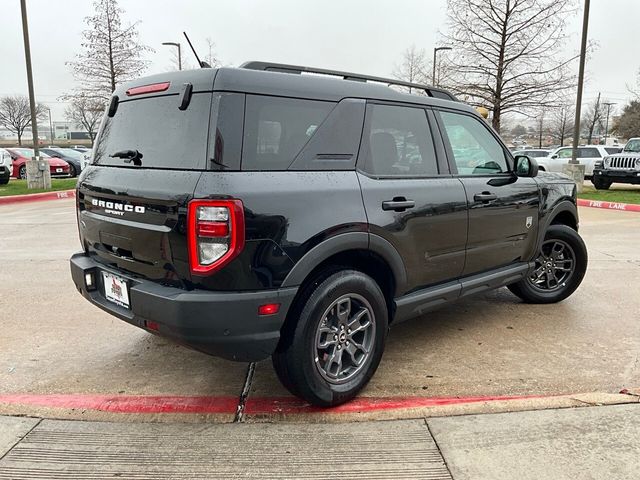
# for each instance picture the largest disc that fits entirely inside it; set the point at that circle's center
(265, 211)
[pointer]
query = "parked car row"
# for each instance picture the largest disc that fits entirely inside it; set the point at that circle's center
(63, 162)
(554, 160)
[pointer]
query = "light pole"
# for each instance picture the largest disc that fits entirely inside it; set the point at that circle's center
(606, 128)
(435, 55)
(174, 44)
(574, 169)
(37, 177)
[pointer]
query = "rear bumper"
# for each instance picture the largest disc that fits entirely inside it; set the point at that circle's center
(619, 176)
(224, 324)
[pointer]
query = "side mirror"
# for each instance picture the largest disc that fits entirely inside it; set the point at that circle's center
(526, 166)
(554, 156)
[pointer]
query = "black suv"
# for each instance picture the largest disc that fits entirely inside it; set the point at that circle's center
(266, 211)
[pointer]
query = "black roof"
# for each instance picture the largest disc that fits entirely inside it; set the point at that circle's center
(277, 83)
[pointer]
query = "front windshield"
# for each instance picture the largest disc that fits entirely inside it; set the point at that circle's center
(633, 146)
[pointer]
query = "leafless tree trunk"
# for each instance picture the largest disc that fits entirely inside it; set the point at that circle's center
(562, 123)
(87, 113)
(15, 114)
(111, 53)
(593, 117)
(507, 53)
(211, 58)
(413, 67)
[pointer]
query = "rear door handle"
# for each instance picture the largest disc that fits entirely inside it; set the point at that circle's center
(485, 197)
(399, 204)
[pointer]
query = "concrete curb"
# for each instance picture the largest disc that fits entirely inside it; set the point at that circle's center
(36, 197)
(158, 408)
(625, 207)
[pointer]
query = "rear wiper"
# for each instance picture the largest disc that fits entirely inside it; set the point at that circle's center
(129, 156)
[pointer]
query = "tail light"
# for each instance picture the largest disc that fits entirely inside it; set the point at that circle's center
(215, 234)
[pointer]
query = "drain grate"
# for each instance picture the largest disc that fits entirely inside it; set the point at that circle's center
(83, 450)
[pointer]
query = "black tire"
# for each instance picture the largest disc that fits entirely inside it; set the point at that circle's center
(22, 173)
(297, 360)
(549, 288)
(72, 171)
(4, 180)
(601, 184)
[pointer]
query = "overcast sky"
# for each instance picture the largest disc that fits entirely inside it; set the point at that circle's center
(366, 36)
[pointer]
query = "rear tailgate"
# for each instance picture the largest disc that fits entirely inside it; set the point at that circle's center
(127, 224)
(132, 207)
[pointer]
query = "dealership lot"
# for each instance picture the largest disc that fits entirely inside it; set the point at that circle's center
(55, 342)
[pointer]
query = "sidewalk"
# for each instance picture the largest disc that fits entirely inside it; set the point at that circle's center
(586, 443)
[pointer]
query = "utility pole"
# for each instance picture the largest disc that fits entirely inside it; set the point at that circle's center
(38, 174)
(435, 56)
(50, 126)
(574, 169)
(606, 128)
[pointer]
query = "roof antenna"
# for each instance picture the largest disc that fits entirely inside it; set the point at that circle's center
(200, 62)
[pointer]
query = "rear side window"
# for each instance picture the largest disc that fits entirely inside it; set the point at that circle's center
(166, 136)
(589, 153)
(398, 142)
(276, 129)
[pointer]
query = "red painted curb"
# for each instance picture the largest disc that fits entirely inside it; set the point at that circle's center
(126, 403)
(627, 207)
(36, 197)
(257, 406)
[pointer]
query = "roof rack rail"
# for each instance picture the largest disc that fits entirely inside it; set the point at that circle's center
(299, 69)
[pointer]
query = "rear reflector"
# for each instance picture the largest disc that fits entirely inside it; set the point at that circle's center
(268, 309)
(213, 229)
(154, 87)
(152, 325)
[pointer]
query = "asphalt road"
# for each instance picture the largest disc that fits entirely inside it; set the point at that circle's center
(53, 341)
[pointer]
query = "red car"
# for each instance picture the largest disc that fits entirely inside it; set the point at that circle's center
(57, 167)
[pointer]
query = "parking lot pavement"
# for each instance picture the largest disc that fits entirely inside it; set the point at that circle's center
(494, 344)
(53, 341)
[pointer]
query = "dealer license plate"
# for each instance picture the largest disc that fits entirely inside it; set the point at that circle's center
(115, 289)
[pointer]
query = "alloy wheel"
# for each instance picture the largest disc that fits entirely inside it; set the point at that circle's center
(553, 267)
(345, 338)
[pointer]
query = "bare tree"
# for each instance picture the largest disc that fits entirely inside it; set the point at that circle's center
(15, 114)
(508, 53)
(592, 118)
(111, 54)
(413, 67)
(562, 123)
(627, 125)
(211, 58)
(86, 112)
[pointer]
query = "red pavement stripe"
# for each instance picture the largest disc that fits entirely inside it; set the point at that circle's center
(255, 406)
(627, 207)
(36, 197)
(126, 403)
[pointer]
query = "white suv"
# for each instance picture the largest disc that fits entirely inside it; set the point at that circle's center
(588, 155)
(6, 166)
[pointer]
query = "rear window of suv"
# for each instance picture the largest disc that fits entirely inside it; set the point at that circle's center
(166, 136)
(276, 129)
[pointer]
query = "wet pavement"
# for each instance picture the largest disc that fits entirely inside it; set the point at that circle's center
(54, 342)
